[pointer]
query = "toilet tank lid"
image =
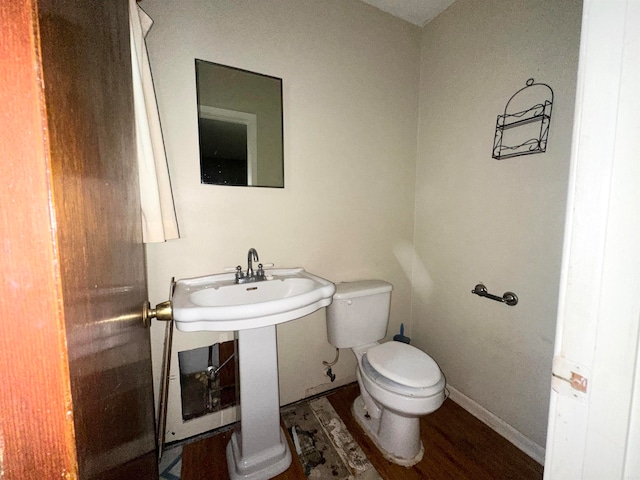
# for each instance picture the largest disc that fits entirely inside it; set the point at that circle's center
(361, 288)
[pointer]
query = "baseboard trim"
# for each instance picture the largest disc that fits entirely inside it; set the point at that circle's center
(501, 427)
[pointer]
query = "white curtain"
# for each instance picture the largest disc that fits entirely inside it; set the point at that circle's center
(158, 213)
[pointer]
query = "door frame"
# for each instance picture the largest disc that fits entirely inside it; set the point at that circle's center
(595, 433)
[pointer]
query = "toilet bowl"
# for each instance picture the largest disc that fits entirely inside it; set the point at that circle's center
(387, 409)
(398, 382)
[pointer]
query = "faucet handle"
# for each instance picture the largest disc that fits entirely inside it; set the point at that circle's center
(239, 273)
(261, 267)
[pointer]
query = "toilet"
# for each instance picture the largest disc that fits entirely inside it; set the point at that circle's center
(398, 382)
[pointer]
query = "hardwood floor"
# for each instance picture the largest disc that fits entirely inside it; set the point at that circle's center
(207, 460)
(457, 446)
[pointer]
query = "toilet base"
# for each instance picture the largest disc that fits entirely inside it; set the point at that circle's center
(396, 436)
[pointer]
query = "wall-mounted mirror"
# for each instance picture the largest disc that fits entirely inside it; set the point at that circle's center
(239, 126)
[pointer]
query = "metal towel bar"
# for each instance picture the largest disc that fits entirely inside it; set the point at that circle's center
(509, 298)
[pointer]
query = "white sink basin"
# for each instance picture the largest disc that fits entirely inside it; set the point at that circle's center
(216, 303)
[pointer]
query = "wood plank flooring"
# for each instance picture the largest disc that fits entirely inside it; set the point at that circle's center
(457, 445)
(207, 460)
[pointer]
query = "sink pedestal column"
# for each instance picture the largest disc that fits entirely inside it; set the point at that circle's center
(258, 450)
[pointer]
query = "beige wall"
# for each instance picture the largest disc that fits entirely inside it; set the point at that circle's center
(350, 80)
(496, 222)
(355, 81)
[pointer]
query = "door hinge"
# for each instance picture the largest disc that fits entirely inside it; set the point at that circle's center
(569, 378)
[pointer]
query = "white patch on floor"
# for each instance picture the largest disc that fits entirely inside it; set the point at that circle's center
(348, 449)
(313, 446)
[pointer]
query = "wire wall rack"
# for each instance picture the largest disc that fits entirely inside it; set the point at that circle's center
(523, 128)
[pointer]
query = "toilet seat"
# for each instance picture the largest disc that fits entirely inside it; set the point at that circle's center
(407, 370)
(404, 364)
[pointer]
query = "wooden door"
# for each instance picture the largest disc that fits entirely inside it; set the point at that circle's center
(75, 358)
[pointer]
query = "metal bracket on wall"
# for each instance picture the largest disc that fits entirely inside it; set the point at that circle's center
(570, 378)
(509, 298)
(523, 129)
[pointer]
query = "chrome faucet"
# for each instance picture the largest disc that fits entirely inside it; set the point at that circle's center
(252, 254)
(250, 276)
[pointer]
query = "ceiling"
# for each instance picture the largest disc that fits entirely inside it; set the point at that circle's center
(418, 12)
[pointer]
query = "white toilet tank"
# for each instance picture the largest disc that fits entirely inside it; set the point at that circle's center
(359, 313)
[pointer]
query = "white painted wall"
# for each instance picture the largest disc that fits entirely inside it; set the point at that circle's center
(350, 79)
(495, 222)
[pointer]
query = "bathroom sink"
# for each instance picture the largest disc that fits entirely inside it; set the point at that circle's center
(217, 303)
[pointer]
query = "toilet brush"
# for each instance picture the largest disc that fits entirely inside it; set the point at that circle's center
(400, 337)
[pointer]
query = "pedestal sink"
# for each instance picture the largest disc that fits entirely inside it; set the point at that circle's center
(258, 450)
